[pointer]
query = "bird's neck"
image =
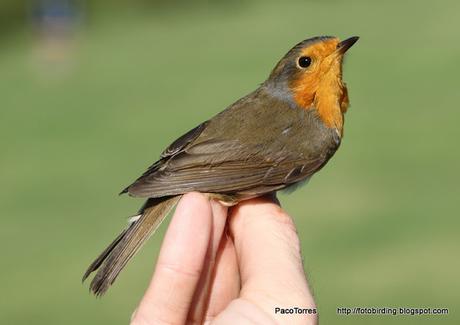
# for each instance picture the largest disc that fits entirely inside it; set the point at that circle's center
(331, 102)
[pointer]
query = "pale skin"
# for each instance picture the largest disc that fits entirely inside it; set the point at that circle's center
(220, 265)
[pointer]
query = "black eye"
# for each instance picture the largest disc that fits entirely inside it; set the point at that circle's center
(304, 61)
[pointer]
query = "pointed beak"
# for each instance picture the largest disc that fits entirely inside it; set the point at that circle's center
(343, 46)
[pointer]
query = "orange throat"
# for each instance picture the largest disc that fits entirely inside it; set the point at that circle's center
(330, 99)
(331, 106)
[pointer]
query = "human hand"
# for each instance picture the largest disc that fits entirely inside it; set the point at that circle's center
(227, 267)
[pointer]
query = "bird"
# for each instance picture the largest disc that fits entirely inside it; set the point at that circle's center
(274, 138)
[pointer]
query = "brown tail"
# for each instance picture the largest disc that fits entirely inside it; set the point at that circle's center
(114, 258)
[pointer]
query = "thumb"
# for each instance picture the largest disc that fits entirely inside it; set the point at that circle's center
(268, 251)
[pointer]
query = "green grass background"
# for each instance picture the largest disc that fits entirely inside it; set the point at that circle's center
(379, 225)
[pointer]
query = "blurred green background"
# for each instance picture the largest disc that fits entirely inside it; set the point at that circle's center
(91, 92)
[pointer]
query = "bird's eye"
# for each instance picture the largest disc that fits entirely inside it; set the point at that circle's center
(304, 61)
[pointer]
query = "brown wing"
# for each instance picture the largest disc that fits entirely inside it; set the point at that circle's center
(258, 145)
(204, 173)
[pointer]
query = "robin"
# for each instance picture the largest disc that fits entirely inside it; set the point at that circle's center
(276, 137)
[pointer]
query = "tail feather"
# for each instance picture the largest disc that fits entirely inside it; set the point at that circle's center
(114, 258)
(101, 258)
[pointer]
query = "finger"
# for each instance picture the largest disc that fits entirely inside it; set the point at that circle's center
(179, 266)
(269, 258)
(225, 285)
(201, 297)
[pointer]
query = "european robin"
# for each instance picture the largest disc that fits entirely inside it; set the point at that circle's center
(275, 137)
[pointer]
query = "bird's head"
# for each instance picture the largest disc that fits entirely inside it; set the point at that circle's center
(312, 71)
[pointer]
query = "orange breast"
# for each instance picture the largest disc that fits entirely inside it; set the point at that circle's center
(320, 86)
(328, 97)
(331, 106)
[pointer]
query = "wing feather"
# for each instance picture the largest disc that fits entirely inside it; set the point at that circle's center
(226, 176)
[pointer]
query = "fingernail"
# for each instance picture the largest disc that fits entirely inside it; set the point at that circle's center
(217, 208)
(133, 315)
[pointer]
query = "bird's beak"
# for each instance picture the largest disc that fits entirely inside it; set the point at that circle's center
(343, 46)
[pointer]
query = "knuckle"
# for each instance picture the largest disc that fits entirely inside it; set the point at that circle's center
(176, 270)
(287, 232)
(287, 225)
